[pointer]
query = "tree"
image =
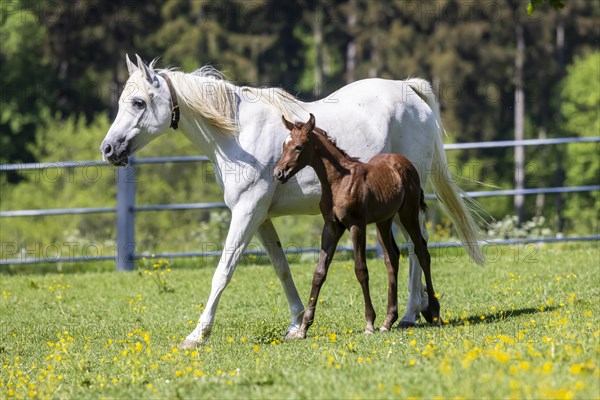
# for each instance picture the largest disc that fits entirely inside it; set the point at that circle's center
(55, 56)
(61, 69)
(26, 80)
(557, 4)
(581, 116)
(243, 39)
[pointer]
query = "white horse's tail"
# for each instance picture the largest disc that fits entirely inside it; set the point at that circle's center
(453, 200)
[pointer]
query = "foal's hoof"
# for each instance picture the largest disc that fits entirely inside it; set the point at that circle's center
(188, 345)
(428, 315)
(432, 313)
(432, 318)
(406, 325)
(383, 329)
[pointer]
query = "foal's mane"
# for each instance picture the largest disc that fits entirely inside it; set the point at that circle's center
(208, 94)
(330, 140)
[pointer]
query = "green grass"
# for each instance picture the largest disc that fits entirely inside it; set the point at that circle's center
(523, 326)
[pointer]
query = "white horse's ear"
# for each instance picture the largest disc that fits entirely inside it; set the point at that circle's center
(147, 72)
(287, 124)
(130, 66)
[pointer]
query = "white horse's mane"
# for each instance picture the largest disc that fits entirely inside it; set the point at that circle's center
(208, 94)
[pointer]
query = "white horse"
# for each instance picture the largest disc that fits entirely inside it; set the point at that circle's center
(239, 129)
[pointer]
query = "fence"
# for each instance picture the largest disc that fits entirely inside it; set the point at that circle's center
(126, 208)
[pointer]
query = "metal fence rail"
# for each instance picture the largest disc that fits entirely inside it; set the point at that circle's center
(183, 159)
(126, 207)
(515, 143)
(205, 206)
(300, 251)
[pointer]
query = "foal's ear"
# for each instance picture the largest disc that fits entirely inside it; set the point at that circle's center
(290, 126)
(310, 124)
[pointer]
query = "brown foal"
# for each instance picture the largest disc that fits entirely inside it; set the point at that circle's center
(355, 194)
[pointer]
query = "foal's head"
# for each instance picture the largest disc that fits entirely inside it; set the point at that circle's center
(297, 152)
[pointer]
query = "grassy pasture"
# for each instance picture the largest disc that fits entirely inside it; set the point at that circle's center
(527, 325)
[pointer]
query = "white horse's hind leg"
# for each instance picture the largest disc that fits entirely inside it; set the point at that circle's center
(244, 222)
(270, 240)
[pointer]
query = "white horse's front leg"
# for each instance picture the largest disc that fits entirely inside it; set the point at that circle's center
(270, 240)
(244, 222)
(417, 298)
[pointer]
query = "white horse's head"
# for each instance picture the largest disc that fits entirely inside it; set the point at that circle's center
(145, 112)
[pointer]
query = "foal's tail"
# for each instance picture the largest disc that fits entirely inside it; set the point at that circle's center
(454, 201)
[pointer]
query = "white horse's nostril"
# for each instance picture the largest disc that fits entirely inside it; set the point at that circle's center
(108, 149)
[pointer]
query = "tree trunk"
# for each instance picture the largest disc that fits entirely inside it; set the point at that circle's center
(560, 172)
(375, 9)
(519, 200)
(374, 68)
(116, 63)
(318, 39)
(351, 48)
(540, 199)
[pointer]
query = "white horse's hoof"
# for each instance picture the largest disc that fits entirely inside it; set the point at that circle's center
(294, 335)
(406, 325)
(188, 345)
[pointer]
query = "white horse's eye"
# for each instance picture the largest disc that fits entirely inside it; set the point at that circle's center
(138, 104)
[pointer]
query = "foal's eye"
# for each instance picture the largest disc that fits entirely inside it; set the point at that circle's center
(298, 148)
(138, 104)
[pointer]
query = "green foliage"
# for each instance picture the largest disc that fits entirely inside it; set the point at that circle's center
(95, 186)
(557, 4)
(62, 67)
(236, 36)
(509, 228)
(59, 187)
(525, 326)
(581, 96)
(330, 62)
(26, 81)
(581, 113)
(70, 138)
(158, 270)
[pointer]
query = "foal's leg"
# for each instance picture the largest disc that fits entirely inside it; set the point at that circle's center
(410, 220)
(417, 298)
(424, 299)
(391, 256)
(362, 274)
(332, 232)
(270, 240)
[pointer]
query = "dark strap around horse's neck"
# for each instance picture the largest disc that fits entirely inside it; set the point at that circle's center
(174, 103)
